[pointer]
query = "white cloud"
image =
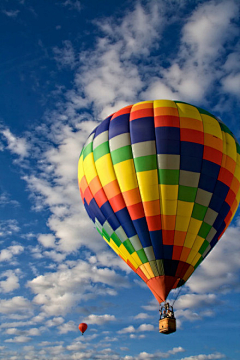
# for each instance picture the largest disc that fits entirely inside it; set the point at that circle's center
(231, 84)
(54, 322)
(11, 13)
(19, 339)
(145, 327)
(58, 292)
(141, 316)
(109, 259)
(56, 187)
(29, 332)
(69, 326)
(65, 56)
(209, 27)
(108, 74)
(54, 350)
(189, 301)
(75, 231)
(128, 329)
(141, 328)
(54, 255)
(16, 305)
(76, 346)
(11, 283)
(8, 227)
(17, 324)
(17, 145)
(5, 200)
(47, 240)
(73, 4)
(155, 356)
(158, 90)
(231, 79)
(152, 305)
(138, 31)
(99, 319)
(8, 253)
(198, 64)
(205, 357)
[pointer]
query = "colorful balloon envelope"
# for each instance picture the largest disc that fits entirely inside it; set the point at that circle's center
(82, 327)
(160, 181)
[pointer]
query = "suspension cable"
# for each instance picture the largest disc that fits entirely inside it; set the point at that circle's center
(179, 291)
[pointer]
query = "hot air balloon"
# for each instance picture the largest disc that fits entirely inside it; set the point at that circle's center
(82, 327)
(160, 181)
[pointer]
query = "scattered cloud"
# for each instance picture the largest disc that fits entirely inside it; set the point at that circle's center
(155, 356)
(57, 292)
(29, 332)
(73, 5)
(189, 301)
(67, 327)
(47, 240)
(19, 339)
(230, 83)
(11, 13)
(12, 281)
(65, 56)
(8, 227)
(193, 72)
(16, 145)
(8, 253)
(99, 319)
(16, 305)
(141, 328)
(205, 357)
(141, 316)
(56, 321)
(6, 200)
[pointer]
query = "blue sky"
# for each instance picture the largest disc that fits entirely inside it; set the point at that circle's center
(65, 65)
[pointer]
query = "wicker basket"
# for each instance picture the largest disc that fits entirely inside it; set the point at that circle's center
(167, 325)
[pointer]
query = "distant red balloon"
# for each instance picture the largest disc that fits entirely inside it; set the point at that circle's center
(82, 327)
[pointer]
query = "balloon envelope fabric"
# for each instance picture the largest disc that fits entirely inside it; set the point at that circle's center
(160, 181)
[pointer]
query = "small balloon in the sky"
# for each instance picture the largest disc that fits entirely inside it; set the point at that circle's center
(82, 327)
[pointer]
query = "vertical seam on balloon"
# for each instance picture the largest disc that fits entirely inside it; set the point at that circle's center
(118, 182)
(223, 137)
(103, 190)
(224, 143)
(195, 195)
(123, 200)
(120, 252)
(120, 190)
(237, 163)
(159, 191)
(141, 199)
(226, 226)
(197, 187)
(155, 261)
(178, 179)
(182, 275)
(179, 174)
(236, 158)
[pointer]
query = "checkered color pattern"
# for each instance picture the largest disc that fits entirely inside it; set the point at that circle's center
(161, 182)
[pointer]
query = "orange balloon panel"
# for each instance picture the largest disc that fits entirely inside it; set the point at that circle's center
(160, 180)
